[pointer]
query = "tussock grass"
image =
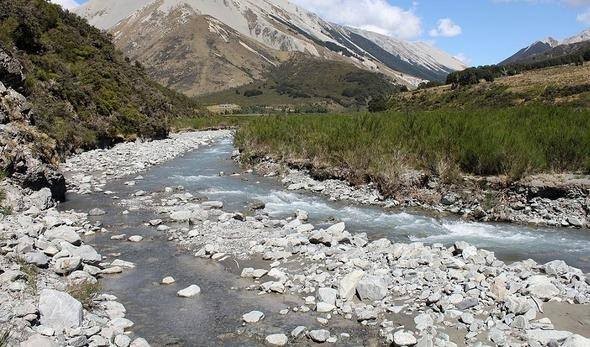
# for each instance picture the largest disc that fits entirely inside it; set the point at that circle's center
(515, 141)
(85, 293)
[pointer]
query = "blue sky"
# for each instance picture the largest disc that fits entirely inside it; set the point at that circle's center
(478, 31)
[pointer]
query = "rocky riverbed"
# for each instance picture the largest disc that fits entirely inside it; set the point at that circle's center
(50, 293)
(402, 293)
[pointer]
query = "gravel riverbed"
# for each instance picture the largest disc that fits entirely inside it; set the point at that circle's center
(406, 293)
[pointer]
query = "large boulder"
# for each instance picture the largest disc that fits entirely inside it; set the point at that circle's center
(65, 233)
(371, 288)
(347, 286)
(541, 287)
(60, 310)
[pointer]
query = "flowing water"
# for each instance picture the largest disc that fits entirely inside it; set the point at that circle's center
(214, 317)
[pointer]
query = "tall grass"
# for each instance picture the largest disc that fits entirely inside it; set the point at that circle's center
(515, 141)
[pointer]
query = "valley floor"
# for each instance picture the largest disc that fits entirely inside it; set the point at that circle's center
(282, 279)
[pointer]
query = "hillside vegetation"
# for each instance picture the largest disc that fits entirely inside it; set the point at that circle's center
(309, 84)
(83, 91)
(558, 85)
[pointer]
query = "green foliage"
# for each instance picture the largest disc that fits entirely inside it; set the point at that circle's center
(378, 104)
(513, 141)
(307, 81)
(490, 72)
(84, 92)
(252, 92)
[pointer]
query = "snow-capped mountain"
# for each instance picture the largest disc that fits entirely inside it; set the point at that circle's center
(546, 45)
(581, 37)
(206, 45)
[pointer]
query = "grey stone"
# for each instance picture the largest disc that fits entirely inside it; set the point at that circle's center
(541, 287)
(36, 258)
(371, 288)
(556, 268)
(348, 283)
(64, 266)
(189, 292)
(404, 338)
(297, 331)
(319, 336)
(38, 340)
(64, 232)
(327, 295)
(252, 317)
(467, 304)
(277, 339)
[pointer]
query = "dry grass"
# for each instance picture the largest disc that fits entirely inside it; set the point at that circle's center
(85, 293)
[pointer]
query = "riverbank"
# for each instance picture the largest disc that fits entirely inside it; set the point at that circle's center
(485, 165)
(539, 200)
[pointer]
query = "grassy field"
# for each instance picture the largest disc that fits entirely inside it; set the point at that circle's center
(376, 147)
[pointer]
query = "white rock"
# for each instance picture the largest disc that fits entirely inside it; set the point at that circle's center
(347, 286)
(38, 340)
(65, 233)
(59, 310)
(277, 339)
(371, 288)
(576, 341)
(190, 291)
(323, 307)
(168, 280)
(327, 295)
(404, 338)
(252, 317)
(319, 336)
(135, 238)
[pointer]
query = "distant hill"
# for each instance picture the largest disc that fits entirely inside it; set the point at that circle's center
(83, 91)
(308, 84)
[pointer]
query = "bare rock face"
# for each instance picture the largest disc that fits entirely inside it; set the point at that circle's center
(11, 71)
(28, 156)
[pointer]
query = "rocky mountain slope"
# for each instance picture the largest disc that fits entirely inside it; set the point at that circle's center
(198, 46)
(549, 47)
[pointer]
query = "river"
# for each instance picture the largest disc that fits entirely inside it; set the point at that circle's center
(214, 317)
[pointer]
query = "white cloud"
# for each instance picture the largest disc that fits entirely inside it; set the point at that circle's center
(374, 15)
(584, 17)
(446, 28)
(463, 58)
(68, 4)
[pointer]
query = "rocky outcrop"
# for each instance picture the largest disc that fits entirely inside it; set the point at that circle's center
(11, 71)
(27, 155)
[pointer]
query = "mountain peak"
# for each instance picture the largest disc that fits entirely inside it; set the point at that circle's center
(248, 37)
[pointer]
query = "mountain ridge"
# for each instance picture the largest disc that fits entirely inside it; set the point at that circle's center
(546, 45)
(231, 43)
